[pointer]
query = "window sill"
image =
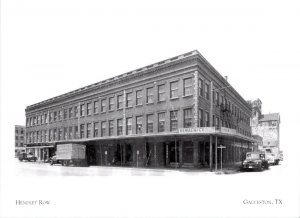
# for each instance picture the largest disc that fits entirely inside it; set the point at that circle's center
(175, 98)
(119, 109)
(150, 103)
(160, 102)
(187, 96)
(111, 111)
(129, 107)
(139, 105)
(103, 112)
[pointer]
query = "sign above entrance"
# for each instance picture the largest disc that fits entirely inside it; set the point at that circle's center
(198, 130)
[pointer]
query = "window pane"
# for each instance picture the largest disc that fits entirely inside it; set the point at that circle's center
(139, 125)
(150, 123)
(150, 96)
(187, 84)
(161, 122)
(161, 93)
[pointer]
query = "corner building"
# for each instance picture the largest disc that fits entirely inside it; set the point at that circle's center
(174, 113)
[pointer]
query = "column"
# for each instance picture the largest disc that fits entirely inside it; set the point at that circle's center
(216, 153)
(195, 153)
(180, 152)
(124, 112)
(155, 154)
(203, 153)
(196, 99)
(167, 154)
(210, 152)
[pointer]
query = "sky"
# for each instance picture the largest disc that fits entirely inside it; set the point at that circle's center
(51, 47)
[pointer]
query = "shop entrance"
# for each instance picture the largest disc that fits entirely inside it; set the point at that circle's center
(188, 151)
(174, 152)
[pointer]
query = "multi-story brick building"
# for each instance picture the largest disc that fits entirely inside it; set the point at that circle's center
(19, 138)
(171, 113)
(266, 126)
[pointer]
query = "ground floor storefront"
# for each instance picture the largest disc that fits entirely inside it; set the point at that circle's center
(173, 152)
(206, 148)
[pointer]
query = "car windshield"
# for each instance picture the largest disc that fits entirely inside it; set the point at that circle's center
(252, 156)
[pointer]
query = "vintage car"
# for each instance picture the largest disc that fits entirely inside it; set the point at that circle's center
(29, 157)
(255, 161)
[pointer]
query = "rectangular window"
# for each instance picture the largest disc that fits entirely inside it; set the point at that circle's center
(173, 121)
(65, 133)
(201, 87)
(111, 103)
(45, 135)
(174, 89)
(129, 99)
(50, 117)
(150, 123)
(70, 112)
(110, 127)
(65, 113)
(217, 122)
(201, 118)
(129, 126)
(60, 115)
(217, 98)
(96, 111)
(161, 121)
(54, 134)
(38, 120)
(59, 134)
(34, 120)
(187, 87)
(207, 91)
(161, 92)
(188, 117)
(50, 135)
(120, 101)
(207, 119)
(138, 100)
(120, 127)
(96, 129)
(71, 131)
(82, 110)
(76, 132)
(55, 116)
(88, 130)
(103, 105)
(150, 95)
(213, 96)
(89, 109)
(103, 128)
(139, 125)
(75, 111)
(81, 131)
(213, 120)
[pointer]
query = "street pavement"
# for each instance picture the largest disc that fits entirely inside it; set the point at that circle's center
(45, 169)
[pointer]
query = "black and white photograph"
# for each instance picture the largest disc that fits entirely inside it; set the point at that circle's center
(149, 108)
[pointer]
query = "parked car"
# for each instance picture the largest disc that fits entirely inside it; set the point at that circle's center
(255, 161)
(28, 157)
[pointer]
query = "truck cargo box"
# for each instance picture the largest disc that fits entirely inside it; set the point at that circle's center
(70, 152)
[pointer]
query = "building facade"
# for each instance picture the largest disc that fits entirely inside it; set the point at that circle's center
(174, 113)
(19, 138)
(267, 126)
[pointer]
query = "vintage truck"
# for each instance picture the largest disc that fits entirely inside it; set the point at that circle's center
(272, 155)
(70, 154)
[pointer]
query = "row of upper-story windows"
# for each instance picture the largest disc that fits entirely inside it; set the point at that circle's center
(87, 109)
(107, 128)
(222, 102)
(136, 97)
